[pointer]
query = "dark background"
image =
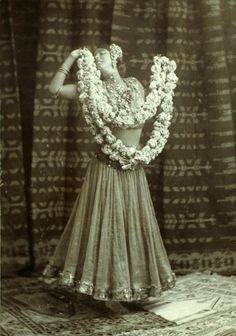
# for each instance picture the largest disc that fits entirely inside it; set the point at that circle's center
(46, 146)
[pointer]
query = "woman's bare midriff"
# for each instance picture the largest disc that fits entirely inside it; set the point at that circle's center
(130, 137)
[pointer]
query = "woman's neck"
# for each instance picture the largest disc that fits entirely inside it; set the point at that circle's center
(113, 77)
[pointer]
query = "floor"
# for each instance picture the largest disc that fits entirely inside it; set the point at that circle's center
(29, 308)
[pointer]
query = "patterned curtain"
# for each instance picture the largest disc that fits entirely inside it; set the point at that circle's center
(193, 180)
(14, 230)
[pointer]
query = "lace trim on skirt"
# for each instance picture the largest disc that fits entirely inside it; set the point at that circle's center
(54, 276)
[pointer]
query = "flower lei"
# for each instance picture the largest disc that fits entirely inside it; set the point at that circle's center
(99, 113)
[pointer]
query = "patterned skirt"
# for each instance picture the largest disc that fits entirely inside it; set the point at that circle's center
(111, 247)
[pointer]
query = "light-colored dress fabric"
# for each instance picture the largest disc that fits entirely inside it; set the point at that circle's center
(111, 247)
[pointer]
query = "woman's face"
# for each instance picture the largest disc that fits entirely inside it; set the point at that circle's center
(103, 59)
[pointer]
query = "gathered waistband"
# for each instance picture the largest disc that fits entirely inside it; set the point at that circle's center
(113, 164)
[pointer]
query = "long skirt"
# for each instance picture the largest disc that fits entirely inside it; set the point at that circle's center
(111, 247)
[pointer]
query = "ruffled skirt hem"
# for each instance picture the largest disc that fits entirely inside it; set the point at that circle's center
(126, 294)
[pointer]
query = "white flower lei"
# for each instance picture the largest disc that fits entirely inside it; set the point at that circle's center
(99, 113)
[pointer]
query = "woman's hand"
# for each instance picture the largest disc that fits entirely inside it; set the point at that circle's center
(75, 53)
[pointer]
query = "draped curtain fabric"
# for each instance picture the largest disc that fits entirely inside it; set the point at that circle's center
(192, 181)
(14, 231)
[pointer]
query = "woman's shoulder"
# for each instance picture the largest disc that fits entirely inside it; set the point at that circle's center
(136, 83)
(132, 79)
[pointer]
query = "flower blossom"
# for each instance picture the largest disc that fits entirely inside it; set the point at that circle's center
(98, 111)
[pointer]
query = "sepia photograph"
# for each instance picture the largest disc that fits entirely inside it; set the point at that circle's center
(118, 168)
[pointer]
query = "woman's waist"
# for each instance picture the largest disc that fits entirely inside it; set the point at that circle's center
(130, 137)
(105, 159)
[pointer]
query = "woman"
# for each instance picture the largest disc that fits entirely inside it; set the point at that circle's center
(111, 247)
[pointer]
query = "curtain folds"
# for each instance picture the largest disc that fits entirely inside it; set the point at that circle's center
(14, 229)
(192, 181)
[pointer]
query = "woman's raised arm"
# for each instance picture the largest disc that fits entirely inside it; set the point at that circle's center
(57, 87)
